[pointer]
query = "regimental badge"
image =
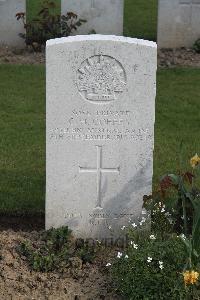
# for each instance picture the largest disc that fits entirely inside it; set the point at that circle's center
(101, 79)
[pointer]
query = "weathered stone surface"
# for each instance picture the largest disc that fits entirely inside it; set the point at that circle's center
(103, 16)
(178, 23)
(100, 132)
(10, 28)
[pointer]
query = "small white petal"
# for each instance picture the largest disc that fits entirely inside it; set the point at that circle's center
(108, 265)
(183, 236)
(149, 259)
(119, 255)
(126, 256)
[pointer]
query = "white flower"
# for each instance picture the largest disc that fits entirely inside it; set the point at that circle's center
(167, 214)
(149, 259)
(183, 236)
(134, 225)
(126, 256)
(110, 227)
(162, 210)
(152, 237)
(142, 221)
(108, 265)
(161, 265)
(123, 227)
(135, 246)
(119, 255)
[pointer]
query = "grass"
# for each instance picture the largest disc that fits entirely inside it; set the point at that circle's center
(177, 119)
(140, 17)
(22, 130)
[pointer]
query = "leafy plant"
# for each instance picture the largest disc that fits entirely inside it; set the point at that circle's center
(48, 25)
(150, 268)
(55, 249)
(86, 252)
(196, 46)
(165, 264)
(178, 201)
(50, 252)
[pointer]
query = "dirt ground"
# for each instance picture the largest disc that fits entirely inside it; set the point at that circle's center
(167, 58)
(18, 282)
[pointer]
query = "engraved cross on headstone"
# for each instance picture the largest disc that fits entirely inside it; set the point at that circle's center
(99, 170)
(191, 4)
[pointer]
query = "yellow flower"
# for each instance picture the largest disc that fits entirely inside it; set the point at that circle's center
(195, 160)
(190, 277)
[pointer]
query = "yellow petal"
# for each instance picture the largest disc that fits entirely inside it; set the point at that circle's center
(195, 160)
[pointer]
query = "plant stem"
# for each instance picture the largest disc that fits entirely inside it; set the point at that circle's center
(184, 216)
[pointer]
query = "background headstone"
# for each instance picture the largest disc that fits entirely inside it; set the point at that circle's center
(9, 26)
(178, 23)
(103, 16)
(100, 131)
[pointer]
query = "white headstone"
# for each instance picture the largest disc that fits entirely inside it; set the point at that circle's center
(178, 23)
(100, 131)
(103, 16)
(10, 28)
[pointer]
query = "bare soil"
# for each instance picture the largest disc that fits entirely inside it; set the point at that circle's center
(77, 282)
(167, 58)
(9, 55)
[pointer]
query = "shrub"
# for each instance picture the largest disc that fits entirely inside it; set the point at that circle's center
(51, 251)
(54, 250)
(165, 264)
(152, 270)
(48, 25)
(196, 46)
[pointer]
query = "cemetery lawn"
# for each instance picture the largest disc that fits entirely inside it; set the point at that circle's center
(140, 19)
(22, 131)
(22, 143)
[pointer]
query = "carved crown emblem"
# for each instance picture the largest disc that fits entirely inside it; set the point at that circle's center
(101, 79)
